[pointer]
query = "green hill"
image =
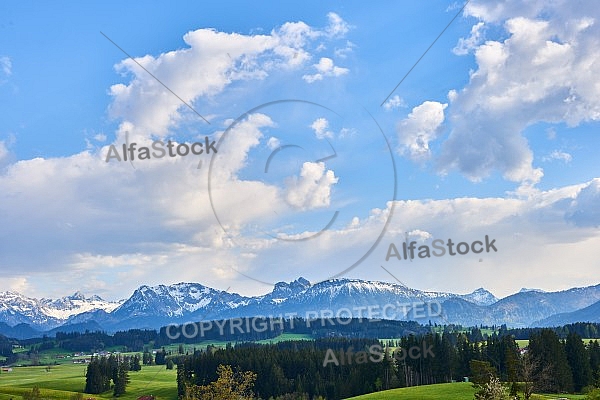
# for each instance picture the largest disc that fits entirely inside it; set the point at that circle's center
(446, 391)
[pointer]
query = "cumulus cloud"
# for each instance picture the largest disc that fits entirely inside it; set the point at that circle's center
(211, 61)
(321, 128)
(325, 68)
(558, 226)
(98, 218)
(542, 71)
(273, 143)
(337, 26)
(312, 189)
(420, 128)
(583, 210)
(394, 102)
(466, 45)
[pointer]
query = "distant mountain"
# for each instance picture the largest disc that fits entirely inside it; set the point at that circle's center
(152, 307)
(44, 314)
(19, 331)
(522, 309)
(587, 314)
(480, 297)
(523, 290)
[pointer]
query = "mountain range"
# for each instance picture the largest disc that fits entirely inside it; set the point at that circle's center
(152, 307)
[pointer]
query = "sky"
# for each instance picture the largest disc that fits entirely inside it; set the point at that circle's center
(332, 133)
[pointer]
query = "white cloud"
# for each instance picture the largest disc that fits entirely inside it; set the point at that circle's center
(337, 26)
(3, 151)
(325, 68)
(18, 284)
(212, 61)
(321, 128)
(465, 46)
(394, 102)
(343, 52)
(420, 128)
(542, 71)
(559, 155)
(583, 210)
(273, 143)
(6, 65)
(558, 226)
(312, 189)
(6, 157)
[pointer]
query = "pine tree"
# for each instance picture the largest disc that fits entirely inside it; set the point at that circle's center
(135, 363)
(170, 364)
(579, 361)
(547, 349)
(147, 358)
(121, 380)
(160, 358)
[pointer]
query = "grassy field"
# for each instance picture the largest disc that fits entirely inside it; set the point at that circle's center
(287, 337)
(63, 381)
(445, 391)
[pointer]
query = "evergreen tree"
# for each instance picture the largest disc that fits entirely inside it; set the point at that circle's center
(547, 349)
(96, 379)
(594, 352)
(147, 358)
(135, 363)
(122, 379)
(579, 361)
(160, 358)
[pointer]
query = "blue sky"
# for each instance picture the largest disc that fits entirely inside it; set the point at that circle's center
(494, 132)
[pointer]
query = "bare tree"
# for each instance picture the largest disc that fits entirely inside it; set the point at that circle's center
(534, 375)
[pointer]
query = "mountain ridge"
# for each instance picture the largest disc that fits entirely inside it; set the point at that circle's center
(155, 306)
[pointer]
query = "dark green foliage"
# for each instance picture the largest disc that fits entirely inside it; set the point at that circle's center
(122, 378)
(549, 351)
(101, 371)
(161, 357)
(170, 364)
(147, 358)
(579, 361)
(135, 363)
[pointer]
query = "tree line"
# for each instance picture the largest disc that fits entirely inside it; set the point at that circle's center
(549, 364)
(102, 370)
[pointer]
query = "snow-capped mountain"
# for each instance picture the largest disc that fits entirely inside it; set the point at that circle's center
(157, 306)
(44, 314)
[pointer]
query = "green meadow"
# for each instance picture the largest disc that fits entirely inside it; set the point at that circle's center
(65, 380)
(445, 391)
